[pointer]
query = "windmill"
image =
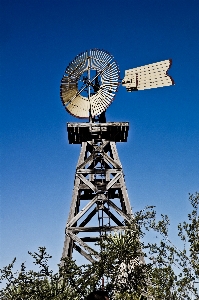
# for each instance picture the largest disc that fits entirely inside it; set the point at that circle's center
(100, 202)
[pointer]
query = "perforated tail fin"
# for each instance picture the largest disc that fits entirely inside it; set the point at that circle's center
(148, 76)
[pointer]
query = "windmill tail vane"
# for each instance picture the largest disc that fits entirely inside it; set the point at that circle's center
(149, 76)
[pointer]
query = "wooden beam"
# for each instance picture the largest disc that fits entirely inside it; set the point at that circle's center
(82, 212)
(84, 245)
(90, 239)
(87, 182)
(82, 252)
(108, 159)
(109, 213)
(113, 180)
(88, 218)
(120, 212)
(96, 229)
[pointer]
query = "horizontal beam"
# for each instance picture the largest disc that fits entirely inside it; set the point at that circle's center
(98, 171)
(90, 239)
(85, 187)
(96, 229)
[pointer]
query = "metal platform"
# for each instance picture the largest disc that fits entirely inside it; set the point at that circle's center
(83, 132)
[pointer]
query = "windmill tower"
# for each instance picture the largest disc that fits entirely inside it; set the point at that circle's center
(100, 202)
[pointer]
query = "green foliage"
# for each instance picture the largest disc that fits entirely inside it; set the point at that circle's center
(36, 285)
(131, 267)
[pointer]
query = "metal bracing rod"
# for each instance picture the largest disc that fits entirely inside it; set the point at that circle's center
(77, 67)
(88, 83)
(99, 73)
(75, 96)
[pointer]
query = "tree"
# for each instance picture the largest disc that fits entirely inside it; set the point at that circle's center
(131, 267)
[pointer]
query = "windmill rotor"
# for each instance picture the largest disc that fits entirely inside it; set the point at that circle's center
(90, 83)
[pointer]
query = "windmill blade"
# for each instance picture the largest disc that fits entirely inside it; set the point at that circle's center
(96, 92)
(148, 77)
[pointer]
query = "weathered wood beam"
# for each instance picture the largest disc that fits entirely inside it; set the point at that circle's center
(87, 182)
(96, 229)
(120, 212)
(83, 253)
(109, 213)
(82, 212)
(113, 180)
(88, 218)
(84, 245)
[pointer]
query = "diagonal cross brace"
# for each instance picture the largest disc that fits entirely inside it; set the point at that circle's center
(113, 180)
(87, 182)
(98, 148)
(83, 211)
(83, 244)
(120, 212)
(108, 159)
(82, 252)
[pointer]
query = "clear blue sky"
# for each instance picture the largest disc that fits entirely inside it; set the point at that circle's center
(160, 159)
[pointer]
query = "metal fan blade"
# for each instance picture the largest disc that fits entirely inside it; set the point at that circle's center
(97, 90)
(148, 76)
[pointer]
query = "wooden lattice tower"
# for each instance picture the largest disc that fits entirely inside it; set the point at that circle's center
(99, 179)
